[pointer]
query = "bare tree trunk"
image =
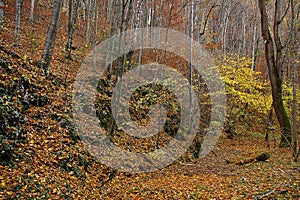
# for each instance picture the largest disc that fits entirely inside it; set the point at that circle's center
(295, 138)
(32, 12)
(295, 75)
(1, 13)
(70, 15)
(88, 21)
(254, 44)
(19, 4)
(274, 63)
(44, 63)
(136, 26)
(168, 27)
(143, 23)
(268, 126)
(122, 20)
(244, 33)
(95, 25)
(72, 22)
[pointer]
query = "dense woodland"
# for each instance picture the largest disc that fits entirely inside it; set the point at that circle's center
(255, 48)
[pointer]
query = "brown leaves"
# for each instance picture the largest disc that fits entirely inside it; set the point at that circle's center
(212, 178)
(51, 163)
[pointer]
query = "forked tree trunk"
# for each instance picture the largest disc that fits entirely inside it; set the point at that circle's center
(274, 63)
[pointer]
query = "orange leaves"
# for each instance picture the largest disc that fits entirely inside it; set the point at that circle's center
(211, 177)
(52, 163)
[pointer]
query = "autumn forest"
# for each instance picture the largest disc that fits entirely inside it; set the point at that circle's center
(149, 99)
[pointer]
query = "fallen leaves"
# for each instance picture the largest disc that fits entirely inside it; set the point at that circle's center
(52, 163)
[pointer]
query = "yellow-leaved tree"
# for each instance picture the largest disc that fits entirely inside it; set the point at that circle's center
(248, 96)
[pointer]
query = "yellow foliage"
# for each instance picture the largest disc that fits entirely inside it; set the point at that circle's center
(246, 87)
(243, 85)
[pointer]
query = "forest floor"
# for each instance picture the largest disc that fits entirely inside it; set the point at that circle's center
(213, 178)
(52, 163)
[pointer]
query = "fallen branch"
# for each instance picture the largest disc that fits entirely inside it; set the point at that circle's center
(262, 196)
(187, 164)
(260, 158)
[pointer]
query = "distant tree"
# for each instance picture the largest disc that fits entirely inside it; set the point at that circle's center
(255, 40)
(19, 4)
(274, 58)
(44, 63)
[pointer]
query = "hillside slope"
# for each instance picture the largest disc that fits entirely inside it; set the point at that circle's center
(42, 157)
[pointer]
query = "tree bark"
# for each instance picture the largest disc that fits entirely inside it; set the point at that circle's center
(32, 12)
(136, 26)
(274, 63)
(72, 22)
(294, 79)
(254, 43)
(44, 63)
(1, 13)
(19, 4)
(88, 21)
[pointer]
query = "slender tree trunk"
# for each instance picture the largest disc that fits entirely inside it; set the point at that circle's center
(254, 44)
(88, 21)
(274, 63)
(295, 75)
(295, 138)
(72, 22)
(244, 34)
(1, 13)
(122, 7)
(268, 126)
(95, 25)
(70, 15)
(191, 17)
(136, 26)
(143, 24)
(32, 12)
(19, 4)
(168, 27)
(44, 63)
